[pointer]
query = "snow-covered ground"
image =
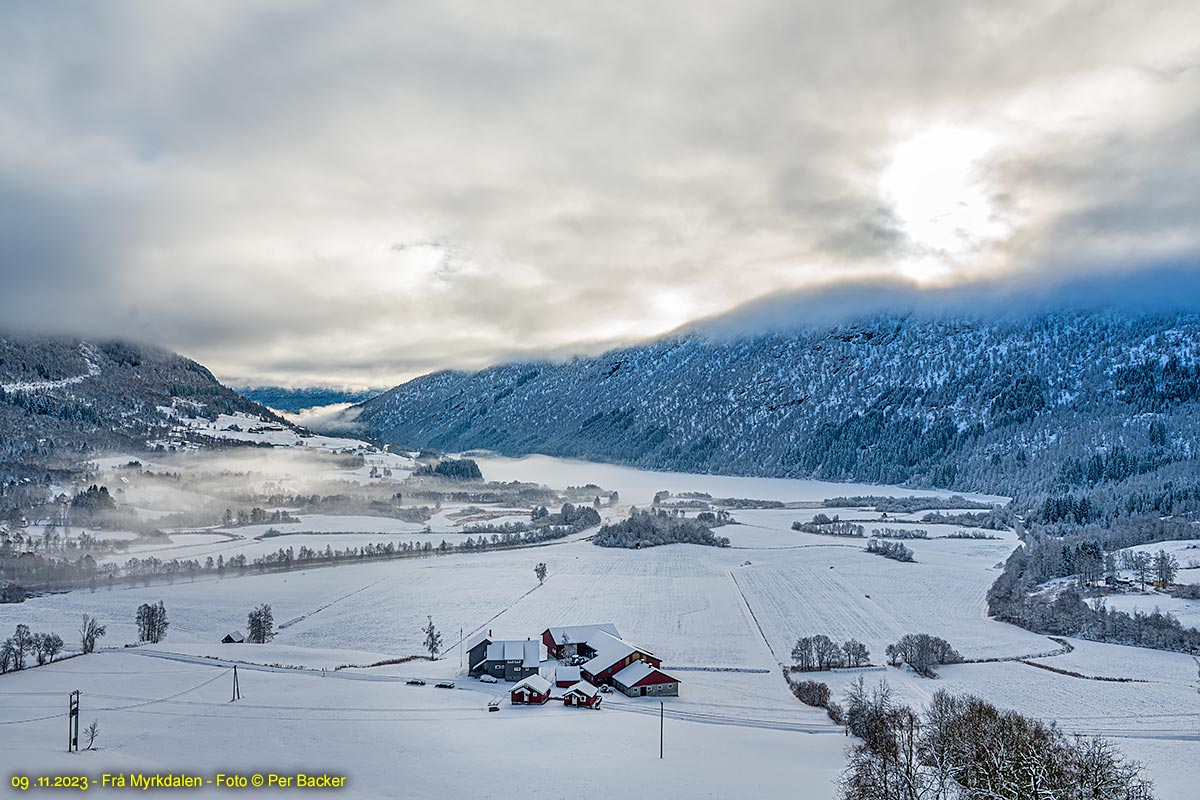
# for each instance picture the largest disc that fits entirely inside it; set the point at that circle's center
(392, 740)
(1156, 721)
(638, 486)
(1186, 611)
(720, 624)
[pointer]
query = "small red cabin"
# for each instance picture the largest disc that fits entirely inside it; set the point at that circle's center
(534, 690)
(582, 695)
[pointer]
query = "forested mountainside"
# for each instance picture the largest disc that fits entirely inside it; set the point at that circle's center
(1071, 403)
(63, 398)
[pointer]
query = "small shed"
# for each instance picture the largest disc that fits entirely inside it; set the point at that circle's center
(565, 677)
(582, 695)
(534, 690)
(234, 638)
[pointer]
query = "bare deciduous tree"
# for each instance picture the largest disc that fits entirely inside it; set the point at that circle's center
(89, 632)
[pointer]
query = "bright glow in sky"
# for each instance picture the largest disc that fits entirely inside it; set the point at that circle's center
(936, 188)
(304, 192)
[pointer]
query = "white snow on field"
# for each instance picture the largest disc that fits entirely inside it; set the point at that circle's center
(1186, 552)
(1186, 611)
(1156, 722)
(393, 740)
(638, 487)
(720, 624)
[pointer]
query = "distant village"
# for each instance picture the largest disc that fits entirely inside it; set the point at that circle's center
(575, 664)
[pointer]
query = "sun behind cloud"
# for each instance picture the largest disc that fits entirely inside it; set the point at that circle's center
(935, 186)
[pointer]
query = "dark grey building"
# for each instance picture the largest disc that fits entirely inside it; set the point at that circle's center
(506, 660)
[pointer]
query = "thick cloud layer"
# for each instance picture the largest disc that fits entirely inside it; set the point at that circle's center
(351, 194)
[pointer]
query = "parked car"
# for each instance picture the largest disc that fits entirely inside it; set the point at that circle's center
(444, 684)
(604, 687)
(415, 682)
(485, 678)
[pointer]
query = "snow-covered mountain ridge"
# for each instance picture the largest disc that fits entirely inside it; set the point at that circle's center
(1000, 404)
(64, 398)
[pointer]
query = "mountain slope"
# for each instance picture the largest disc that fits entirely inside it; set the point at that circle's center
(63, 398)
(1002, 404)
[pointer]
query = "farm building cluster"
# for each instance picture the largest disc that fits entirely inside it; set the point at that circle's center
(581, 661)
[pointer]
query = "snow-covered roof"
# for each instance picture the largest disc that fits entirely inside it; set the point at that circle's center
(584, 688)
(636, 672)
(609, 650)
(477, 637)
(581, 633)
(527, 651)
(535, 683)
(566, 674)
(236, 636)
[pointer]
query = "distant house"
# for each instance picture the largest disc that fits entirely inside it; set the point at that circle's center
(572, 640)
(582, 695)
(503, 659)
(565, 677)
(534, 690)
(611, 655)
(640, 679)
(234, 638)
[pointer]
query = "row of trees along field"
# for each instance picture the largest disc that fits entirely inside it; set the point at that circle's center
(151, 621)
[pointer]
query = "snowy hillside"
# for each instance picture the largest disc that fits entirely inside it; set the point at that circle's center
(62, 399)
(1003, 405)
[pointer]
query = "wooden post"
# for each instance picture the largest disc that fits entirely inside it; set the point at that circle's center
(237, 692)
(73, 723)
(662, 711)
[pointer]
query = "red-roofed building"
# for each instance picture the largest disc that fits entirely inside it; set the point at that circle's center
(582, 695)
(640, 679)
(534, 690)
(611, 656)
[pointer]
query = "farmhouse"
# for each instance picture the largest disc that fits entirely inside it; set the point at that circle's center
(639, 679)
(572, 640)
(233, 638)
(508, 660)
(613, 654)
(582, 695)
(534, 690)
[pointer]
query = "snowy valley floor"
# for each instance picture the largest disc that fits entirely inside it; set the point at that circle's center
(722, 620)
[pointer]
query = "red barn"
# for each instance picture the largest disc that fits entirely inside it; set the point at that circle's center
(612, 656)
(572, 640)
(534, 690)
(640, 679)
(582, 695)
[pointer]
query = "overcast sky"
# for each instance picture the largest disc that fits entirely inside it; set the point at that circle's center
(356, 193)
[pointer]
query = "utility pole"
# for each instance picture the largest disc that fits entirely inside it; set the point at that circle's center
(460, 646)
(237, 692)
(73, 723)
(662, 712)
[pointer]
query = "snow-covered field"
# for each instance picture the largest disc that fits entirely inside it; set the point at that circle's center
(638, 486)
(391, 740)
(720, 624)
(1188, 611)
